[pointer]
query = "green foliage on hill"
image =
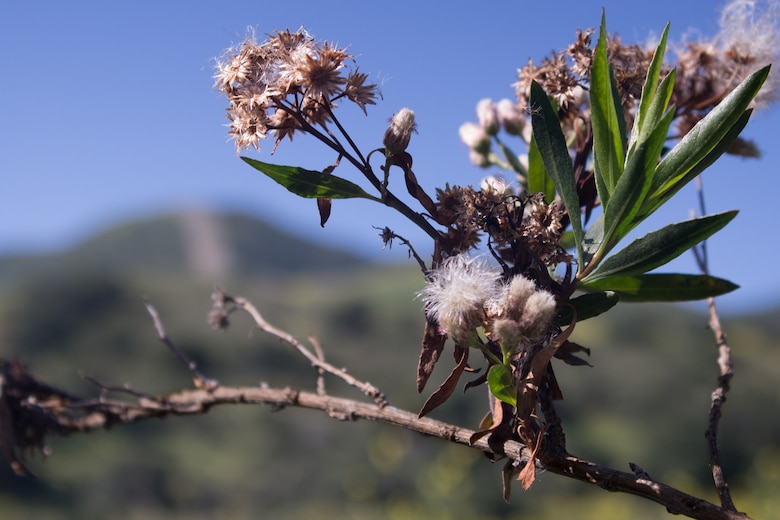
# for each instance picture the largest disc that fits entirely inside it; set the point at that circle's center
(644, 400)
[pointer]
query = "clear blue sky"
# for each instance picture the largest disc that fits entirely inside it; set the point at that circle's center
(107, 113)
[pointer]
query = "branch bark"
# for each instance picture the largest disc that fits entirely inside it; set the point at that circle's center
(32, 410)
(35, 404)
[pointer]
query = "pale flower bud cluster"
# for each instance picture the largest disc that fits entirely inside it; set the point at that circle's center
(487, 116)
(475, 137)
(510, 116)
(465, 293)
(491, 117)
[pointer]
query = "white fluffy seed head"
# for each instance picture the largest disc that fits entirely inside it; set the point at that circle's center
(456, 293)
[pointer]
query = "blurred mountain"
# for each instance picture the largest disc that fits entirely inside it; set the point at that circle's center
(203, 244)
(644, 400)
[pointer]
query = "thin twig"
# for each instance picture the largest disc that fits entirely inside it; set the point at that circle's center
(125, 388)
(388, 235)
(320, 371)
(198, 378)
(726, 372)
(365, 387)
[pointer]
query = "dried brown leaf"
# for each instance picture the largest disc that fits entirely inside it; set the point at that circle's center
(448, 386)
(324, 206)
(432, 346)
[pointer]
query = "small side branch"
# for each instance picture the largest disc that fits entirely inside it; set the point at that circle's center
(726, 372)
(223, 301)
(716, 404)
(198, 378)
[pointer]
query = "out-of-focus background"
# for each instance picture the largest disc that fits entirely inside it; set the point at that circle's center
(108, 115)
(120, 183)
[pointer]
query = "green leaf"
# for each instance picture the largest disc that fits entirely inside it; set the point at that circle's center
(661, 287)
(310, 184)
(587, 306)
(512, 159)
(660, 247)
(538, 180)
(707, 134)
(655, 201)
(501, 385)
(609, 125)
(555, 156)
(592, 241)
(651, 93)
(633, 186)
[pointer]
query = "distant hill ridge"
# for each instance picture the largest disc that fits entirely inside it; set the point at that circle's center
(205, 244)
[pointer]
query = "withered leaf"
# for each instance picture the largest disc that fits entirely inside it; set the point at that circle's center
(491, 422)
(566, 353)
(507, 476)
(416, 191)
(528, 473)
(448, 386)
(432, 346)
(324, 205)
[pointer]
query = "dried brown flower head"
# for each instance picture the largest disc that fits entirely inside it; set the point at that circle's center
(288, 83)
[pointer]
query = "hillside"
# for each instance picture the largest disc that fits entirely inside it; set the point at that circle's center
(644, 400)
(201, 244)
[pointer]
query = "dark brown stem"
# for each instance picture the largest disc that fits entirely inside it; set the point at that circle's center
(675, 501)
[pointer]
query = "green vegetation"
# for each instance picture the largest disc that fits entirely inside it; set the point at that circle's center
(83, 310)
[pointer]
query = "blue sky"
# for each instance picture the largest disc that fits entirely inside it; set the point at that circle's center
(107, 113)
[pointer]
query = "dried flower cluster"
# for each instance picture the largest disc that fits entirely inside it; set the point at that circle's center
(287, 83)
(706, 71)
(524, 229)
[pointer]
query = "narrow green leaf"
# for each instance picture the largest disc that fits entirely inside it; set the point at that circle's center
(512, 159)
(609, 135)
(310, 184)
(707, 134)
(587, 306)
(591, 242)
(651, 88)
(555, 156)
(501, 385)
(661, 287)
(538, 180)
(634, 185)
(660, 247)
(656, 200)
(656, 111)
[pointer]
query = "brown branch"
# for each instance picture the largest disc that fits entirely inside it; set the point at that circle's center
(30, 402)
(724, 378)
(33, 410)
(200, 380)
(675, 501)
(365, 387)
(716, 404)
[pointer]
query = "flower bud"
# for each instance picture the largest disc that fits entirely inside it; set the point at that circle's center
(475, 137)
(399, 132)
(488, 118)
(510, 117)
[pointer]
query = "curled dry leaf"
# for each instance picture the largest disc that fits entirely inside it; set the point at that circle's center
(448, 386)
(432, 346)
